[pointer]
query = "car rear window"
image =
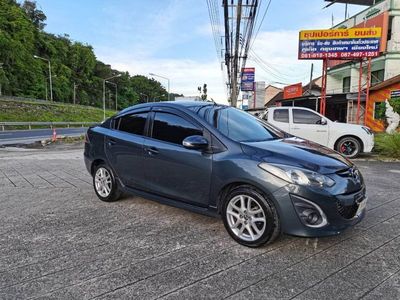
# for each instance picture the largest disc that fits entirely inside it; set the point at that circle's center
(133, 123)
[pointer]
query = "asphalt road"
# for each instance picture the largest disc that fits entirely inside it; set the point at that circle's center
(58, 241)
(29, 136)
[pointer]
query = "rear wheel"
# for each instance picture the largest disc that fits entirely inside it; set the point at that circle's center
(349, 146)
(104, 184)
(250, 218)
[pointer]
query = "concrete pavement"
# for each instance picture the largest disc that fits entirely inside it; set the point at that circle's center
(58, 241)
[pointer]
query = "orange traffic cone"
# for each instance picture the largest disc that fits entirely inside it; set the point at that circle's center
(54, 137)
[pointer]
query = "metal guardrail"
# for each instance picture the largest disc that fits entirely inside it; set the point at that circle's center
(3, 125)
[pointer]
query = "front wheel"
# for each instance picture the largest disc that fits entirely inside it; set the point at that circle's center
(104, 184)
(250, 218)
(349, 147)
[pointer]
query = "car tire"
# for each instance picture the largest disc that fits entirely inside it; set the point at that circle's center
(348, 146)
(240, 218)
(104, 184)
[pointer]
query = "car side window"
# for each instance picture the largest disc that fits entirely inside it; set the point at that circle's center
(281, 115)
(172, 128)
(301, 116)
(133, 123)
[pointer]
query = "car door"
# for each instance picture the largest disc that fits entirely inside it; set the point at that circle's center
(124, 148)
(309, 125)
(170, 169)
(280, 118)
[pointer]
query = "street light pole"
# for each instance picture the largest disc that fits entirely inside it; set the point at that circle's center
(75, 86)
(152, 74)
(50, 80)
(104, 94)
(116, 94)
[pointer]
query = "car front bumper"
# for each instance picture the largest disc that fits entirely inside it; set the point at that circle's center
(341, 211)
(369, 143)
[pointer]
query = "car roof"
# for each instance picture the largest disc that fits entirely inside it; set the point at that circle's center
(176, 104)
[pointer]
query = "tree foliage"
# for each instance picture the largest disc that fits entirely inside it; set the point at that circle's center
(395, 103)
(203, 93)
(22, 37)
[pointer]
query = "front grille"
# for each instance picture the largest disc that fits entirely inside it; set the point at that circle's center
(347, 211)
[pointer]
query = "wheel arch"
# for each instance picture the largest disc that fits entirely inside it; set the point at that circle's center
(228, 187)
(95, 163)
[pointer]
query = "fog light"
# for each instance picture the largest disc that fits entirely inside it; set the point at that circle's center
(309, 213)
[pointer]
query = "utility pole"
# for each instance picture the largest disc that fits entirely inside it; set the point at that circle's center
(311, 77)
(235, 72)
(50, 80)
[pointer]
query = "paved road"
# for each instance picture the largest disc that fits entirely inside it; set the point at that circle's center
(29, 136)
(58, 241)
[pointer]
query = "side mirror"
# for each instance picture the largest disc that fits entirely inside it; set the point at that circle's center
(322, 121)
(195, 142)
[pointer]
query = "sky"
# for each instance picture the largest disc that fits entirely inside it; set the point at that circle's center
(173, 38)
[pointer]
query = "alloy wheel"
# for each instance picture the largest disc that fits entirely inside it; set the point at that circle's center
(246, 218)
(348, 147)
(103, 182)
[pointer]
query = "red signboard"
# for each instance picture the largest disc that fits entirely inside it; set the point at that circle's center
(293, 91)
(381, 20)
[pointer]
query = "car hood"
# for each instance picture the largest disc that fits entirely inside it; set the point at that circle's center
(347, 126)
(299, 153)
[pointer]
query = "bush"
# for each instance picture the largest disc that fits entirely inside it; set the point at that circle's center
(395, 103)
(388, 144)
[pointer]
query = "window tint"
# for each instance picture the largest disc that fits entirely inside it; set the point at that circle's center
(305, 117)
(243, 127)
(171, 128)
(281, 115)
(133, 123)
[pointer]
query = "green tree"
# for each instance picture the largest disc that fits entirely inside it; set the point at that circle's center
(36, 15)
(72, 63)
(203, 93)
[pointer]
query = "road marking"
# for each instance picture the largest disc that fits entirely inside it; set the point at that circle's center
(395, 171)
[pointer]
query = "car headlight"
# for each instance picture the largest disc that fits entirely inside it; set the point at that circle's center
(297, 175)
(367, 130)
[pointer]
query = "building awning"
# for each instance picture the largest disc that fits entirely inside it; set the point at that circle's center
(356, 2)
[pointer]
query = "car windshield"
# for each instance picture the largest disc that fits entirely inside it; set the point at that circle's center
(243, 127)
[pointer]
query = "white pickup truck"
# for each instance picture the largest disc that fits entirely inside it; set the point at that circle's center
(348, 139)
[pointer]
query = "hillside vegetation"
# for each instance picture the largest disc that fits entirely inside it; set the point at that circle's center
(29, 111)
(22, 36)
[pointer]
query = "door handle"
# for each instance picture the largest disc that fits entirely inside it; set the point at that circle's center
(111, 142)
(321, 130)
(152, 151)
(296, 128)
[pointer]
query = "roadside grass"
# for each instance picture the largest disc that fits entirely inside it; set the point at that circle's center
(30, 111)
(388, 145)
